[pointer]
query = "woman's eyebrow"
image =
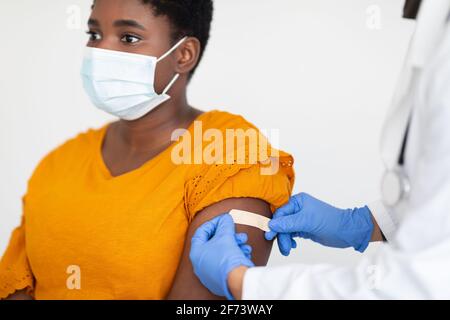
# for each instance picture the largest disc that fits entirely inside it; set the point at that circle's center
(129, 23)
(93, 23)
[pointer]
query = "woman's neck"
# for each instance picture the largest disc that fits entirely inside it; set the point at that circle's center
(154, 130)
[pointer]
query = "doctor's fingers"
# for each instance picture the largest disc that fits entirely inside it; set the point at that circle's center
(290, 224)
(225, 225)
(285, 243)
(241, 238)
(289, 208)
(206, 231)
(292, 207)
(270, 235)
(246, 250)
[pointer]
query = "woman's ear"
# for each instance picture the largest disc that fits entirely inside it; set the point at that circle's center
(188, 55)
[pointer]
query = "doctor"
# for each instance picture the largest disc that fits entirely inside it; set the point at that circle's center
(414, 215)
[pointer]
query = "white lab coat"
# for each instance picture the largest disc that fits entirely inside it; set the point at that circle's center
(415, 264)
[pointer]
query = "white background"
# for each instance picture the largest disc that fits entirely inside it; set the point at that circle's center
(314, 69)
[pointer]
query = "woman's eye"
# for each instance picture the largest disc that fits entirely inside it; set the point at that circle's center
(93, 36)
(130, 39)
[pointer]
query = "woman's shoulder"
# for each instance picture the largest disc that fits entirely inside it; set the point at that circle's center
(236, 161)
(237, 126)
(226, 140)
(72, 150)
(218, 119)
(80, 142)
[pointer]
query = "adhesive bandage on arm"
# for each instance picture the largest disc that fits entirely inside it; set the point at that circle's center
(250, 219)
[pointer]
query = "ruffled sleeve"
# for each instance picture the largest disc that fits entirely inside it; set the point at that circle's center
(15, 271)
(218, 182)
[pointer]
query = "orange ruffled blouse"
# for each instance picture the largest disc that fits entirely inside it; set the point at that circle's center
(121, 237)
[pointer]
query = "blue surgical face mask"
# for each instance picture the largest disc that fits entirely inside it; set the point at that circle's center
(123, 84)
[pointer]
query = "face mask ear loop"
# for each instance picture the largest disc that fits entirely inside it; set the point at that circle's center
(171, 83)
(175, 78)
(171, 50)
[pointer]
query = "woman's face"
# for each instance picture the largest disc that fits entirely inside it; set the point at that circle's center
(130, 26)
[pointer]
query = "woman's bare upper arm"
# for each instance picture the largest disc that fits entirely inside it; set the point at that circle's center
(186, 284)
(20, 295)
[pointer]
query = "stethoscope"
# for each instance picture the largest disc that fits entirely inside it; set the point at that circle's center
(395, 184)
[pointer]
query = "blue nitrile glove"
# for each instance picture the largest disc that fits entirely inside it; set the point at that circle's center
(216, 250)
(306, 217)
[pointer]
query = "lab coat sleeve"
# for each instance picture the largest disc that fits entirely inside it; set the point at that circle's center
(384, 218)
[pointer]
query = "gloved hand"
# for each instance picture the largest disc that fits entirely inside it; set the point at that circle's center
(216, 250)
(306, 217)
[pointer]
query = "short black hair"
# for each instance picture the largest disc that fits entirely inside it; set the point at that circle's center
(188, 18)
